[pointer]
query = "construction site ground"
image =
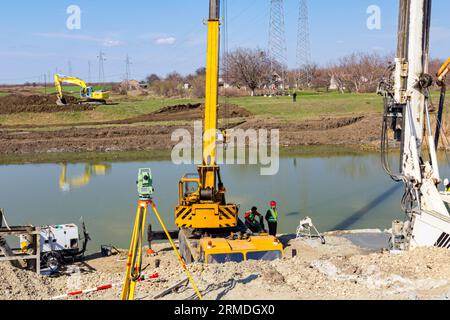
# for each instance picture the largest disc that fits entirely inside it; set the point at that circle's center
(337, 270)
(30, 123)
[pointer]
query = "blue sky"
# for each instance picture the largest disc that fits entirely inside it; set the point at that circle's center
(163, 36)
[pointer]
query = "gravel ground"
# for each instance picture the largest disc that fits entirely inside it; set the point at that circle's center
(337, 270)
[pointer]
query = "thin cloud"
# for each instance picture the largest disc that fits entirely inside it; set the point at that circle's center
(66, 36)
(166, 41)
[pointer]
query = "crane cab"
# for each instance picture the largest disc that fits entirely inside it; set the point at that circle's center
(197, 210)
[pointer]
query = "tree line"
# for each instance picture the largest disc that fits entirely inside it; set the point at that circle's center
(253, 72)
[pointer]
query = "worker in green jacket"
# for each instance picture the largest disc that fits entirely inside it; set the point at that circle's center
(252, 222)
(272, 218)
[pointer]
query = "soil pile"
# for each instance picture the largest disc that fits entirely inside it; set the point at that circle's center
(337, 270)
(188, 112)
(17, 284)
(16, 103)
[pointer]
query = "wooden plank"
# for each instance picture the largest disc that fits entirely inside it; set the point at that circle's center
(17, 258)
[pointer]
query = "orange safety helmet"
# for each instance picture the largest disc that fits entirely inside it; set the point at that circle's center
(273, 204)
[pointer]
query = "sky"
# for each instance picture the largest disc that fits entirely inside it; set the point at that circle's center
(165, 36)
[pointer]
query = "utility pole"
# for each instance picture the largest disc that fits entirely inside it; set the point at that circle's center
(101, 67)
(89, 71)
(303, 45)
(277, 42)
(70, 68)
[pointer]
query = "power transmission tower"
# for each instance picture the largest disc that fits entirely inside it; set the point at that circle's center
(101, 67)
(303, 44)
(127, 69)
(277, 42)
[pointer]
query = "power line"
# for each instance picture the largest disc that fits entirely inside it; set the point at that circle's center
(303, 43)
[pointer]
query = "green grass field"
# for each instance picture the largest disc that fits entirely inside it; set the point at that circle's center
(308, 106)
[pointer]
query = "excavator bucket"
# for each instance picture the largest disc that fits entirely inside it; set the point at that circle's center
(61, 101)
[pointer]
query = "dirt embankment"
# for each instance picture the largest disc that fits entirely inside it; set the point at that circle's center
(345, 131)
(337, 270)
(142, 133)
(16, 103)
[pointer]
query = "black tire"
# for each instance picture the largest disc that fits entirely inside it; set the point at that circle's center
(52, 261)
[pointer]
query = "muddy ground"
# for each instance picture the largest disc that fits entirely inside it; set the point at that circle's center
(337, 270)
(144, 133)
(16, 103)
(352, 131)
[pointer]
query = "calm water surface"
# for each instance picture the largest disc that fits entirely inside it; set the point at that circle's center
(337, 192)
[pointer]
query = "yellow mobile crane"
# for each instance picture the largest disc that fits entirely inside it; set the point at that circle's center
(87, 93)
(210, 229)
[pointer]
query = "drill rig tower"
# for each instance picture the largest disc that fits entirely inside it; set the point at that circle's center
(407, 102)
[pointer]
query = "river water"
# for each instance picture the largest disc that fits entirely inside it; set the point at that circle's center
(337, 192)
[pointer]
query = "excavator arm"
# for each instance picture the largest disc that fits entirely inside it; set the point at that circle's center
(59, 80)
(445, 69)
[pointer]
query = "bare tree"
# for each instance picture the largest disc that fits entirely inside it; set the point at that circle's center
(247, 67)
(152, 78)
(358, 72)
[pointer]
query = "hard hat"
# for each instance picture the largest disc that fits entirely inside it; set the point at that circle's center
(273, 204)
(446, 182)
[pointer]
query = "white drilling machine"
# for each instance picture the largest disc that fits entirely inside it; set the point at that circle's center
(408, 114)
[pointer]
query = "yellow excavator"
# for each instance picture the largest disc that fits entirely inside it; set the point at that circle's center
(444, 70)
(79, 182)
(210, 229)
(88, 94)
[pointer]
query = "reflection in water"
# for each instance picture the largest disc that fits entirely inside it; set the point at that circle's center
(84, 179)
(316, 187)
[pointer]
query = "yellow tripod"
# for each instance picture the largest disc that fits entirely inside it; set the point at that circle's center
(134, 263)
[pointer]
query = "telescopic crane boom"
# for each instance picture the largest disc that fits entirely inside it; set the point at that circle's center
(206, 207)
(210, 229)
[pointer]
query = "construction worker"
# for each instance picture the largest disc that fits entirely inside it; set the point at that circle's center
(447, 185)
(272, 218)
(251, 221)
(294, 97)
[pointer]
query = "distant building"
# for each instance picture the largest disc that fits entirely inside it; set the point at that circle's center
(333, 84)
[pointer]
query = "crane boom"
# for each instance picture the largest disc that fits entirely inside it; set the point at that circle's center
(206, 207)
(211, 100)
